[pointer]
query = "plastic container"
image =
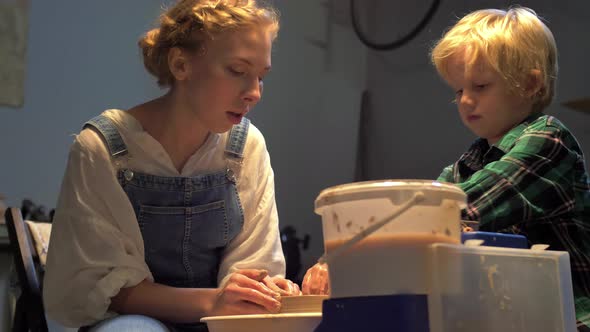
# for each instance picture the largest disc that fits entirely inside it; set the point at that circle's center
(393, 259)
(501, 289)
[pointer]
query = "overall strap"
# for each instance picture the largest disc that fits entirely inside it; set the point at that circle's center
(109, 132)
(237, 140)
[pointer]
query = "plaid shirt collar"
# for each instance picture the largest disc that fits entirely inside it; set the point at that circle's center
(480, 153)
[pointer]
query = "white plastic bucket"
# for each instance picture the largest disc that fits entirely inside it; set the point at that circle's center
(393, 259)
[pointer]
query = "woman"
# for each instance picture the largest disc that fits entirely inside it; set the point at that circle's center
(167, 211)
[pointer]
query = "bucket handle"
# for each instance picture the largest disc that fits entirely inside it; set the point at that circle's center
(417, 198)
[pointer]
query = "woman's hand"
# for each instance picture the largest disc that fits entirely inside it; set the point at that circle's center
(316, 280)
(284, 286)
(246, 293)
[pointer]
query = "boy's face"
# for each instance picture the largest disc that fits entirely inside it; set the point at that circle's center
(485, 104)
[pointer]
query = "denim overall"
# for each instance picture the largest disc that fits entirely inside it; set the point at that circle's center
(185, 222)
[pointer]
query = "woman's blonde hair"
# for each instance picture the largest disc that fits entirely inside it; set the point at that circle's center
(190, 22)
(513, 42)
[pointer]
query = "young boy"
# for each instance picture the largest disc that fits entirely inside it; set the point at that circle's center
(525, 173)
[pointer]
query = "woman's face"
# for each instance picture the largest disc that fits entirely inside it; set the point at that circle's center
(225, 79)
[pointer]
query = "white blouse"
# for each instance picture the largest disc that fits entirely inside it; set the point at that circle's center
(96, 247)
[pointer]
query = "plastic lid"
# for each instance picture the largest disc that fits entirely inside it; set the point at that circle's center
(381, 188)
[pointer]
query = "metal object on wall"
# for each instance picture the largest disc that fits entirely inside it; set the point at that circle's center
(362, 156)
(400, 41)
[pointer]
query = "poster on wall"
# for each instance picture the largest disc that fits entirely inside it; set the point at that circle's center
(13, 42)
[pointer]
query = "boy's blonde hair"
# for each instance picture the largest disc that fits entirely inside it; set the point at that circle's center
(513, 42)
(190, 22)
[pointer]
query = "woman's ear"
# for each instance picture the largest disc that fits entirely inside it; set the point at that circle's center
(178, 63)
(534, 83)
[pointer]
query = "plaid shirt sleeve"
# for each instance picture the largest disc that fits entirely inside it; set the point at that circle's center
(533, 180)
(446, 175)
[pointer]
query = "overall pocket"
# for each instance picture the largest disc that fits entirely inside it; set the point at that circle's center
(179, 239)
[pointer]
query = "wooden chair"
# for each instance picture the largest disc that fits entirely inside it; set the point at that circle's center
(29, 312)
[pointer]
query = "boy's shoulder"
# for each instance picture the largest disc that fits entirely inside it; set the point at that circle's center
(550, 128)
(536, 131)
(546, 123)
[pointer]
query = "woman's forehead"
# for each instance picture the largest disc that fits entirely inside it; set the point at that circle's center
(253, 45)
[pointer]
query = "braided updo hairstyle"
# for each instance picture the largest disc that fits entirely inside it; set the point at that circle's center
(190, 22)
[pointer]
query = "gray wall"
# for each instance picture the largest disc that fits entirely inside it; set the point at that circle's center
(82, 58)
(309, 112)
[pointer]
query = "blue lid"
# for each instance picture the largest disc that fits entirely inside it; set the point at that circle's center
(497, 239)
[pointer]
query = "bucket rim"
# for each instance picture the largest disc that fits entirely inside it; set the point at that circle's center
(349, 191)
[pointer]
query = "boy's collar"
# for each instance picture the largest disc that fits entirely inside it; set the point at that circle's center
(473, 158)
(507, 141)
(480, 152)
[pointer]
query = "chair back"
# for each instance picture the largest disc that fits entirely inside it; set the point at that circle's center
(29, 311)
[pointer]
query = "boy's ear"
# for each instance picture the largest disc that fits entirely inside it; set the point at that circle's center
(534, 83)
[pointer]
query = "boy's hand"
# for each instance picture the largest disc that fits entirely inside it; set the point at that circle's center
(316, 280)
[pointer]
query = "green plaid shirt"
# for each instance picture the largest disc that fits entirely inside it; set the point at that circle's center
(532, 182)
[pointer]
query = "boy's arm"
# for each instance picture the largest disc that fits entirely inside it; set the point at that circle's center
(532, 180)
